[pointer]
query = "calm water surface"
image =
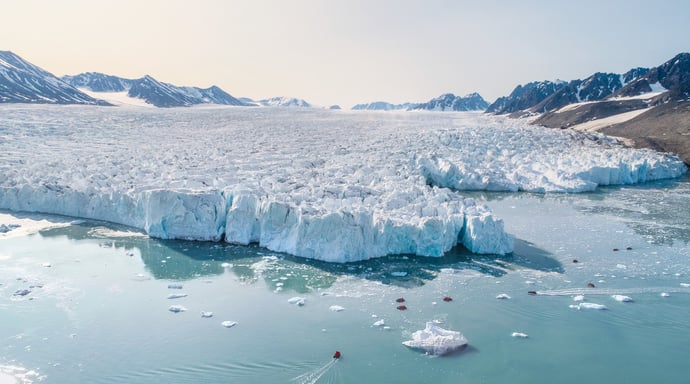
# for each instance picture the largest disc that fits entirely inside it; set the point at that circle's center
(97, 310)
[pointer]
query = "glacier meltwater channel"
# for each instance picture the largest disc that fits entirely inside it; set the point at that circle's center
(331, 185)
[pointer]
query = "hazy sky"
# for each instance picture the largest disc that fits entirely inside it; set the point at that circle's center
(348, 51)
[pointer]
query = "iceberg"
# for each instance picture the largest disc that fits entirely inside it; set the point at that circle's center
(313, 184)
(435, 340)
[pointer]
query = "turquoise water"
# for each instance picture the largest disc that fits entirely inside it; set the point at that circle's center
(98, 307)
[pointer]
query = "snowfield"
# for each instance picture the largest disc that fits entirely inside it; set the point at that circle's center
(332, 185)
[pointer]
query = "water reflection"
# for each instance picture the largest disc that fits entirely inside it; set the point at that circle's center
(657, 211)
(186, 260)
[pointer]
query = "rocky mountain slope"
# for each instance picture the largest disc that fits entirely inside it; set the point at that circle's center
(23, 82)
(152, 91)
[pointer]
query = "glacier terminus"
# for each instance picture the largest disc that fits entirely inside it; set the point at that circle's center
(337, 186)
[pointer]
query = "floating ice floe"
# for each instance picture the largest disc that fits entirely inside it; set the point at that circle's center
(622, 298)
(299, 301)
(519, 335)
(665, 294)
(177, 308)
(336, 308)
(589, 306)
(503, 296)
(435, 340)
(21, 292)
(206, 314)
(177, 295)
(226, 265)
(228, 324)
(379, 323)
(399, 274)
(685, 285)
(579, 298)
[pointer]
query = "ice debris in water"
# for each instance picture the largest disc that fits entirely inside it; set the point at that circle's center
(579, 298)
(685, 285)
(228, 323)
(379, 323)
(46, 264)
(299, 301)
(176, 308)
(21, 292)
(435, 340)
(519, 335)
(206, 314)
(665, 294)
(174, 286)
(399, 274)
(503, 296)
(336, 308)
(622, 298)
(589, 306)
(177, 295)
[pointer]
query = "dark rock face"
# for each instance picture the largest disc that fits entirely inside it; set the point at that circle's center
(596, 87)
(524, 97)
(98, 82)
(450, 102)
(674, 75)
(23, 82)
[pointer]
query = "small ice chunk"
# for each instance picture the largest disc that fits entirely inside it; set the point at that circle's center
(503, 296)
(435, 340)
(591, 306)
(399, 274)
(226, 265)
(379, 323)
(21, 292)
(177, 295)
(622, 298)
(299, 301)
(579, 298)
(519, 335)
(621, 266)
(46, 264)
(665, 294)
(685, 285)
(174, 286)
(206, 314)
(336, 308)
(177, 308)
(228, 324)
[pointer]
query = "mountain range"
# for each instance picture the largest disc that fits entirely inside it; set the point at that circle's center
(648, 106)
(445, 102)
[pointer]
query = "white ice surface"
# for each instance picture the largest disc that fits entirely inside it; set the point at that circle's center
(338, 187)
(435, 340)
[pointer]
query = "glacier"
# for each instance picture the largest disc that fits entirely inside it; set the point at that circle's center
(337, 186)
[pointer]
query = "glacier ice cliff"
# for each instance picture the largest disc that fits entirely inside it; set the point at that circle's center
(335, 187)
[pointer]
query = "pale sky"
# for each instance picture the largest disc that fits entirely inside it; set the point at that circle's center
(349, 51)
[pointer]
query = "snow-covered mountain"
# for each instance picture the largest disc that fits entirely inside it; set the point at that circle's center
(152, 91)
(648, 107)
(284, 102)
(383, 106)
(525, 96)
(544, 96)
(450, 102)
(23, 82)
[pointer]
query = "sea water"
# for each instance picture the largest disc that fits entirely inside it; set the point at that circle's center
(97, 310)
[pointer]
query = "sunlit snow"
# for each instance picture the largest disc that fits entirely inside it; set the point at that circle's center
(332, 186)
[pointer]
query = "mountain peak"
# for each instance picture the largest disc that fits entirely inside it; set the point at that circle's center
(23, 82)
